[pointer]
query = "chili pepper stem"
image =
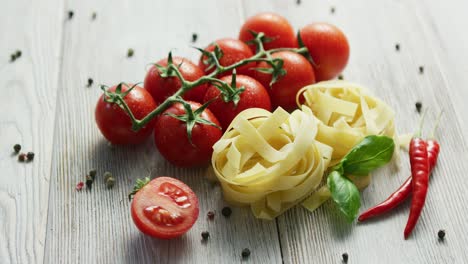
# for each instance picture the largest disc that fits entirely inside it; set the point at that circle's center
(436, 125)
(418, 133)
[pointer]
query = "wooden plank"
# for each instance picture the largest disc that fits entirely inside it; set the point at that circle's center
(373, 29)
(29, 87)
(95, 226)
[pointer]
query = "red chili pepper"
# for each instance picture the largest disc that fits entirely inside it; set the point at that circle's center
(402, 193)
(420, 172)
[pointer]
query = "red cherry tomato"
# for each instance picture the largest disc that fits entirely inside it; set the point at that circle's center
(165, 208)
(273, 26)
(234, 51)
(170, 136)
(116, 125)
(328, 47)
(254, 95)
(299, 73)
(161, 88)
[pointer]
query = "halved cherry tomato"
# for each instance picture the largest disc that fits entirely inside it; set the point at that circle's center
(273, 26)
(165, 208)
(170, 136)
(299, 73)
(328, 47)
(233, 51)
(254, 95)
(115, 124)
(161, 88)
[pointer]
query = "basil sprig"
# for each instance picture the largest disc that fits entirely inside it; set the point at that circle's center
(369, 154)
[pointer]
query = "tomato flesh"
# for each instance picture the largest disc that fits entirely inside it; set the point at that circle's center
(165, 208)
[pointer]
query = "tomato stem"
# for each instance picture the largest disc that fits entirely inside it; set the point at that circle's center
(173, 70)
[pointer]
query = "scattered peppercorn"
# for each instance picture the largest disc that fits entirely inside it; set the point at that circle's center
(110, 183)
(441, 234)
(89, 182)
(12, 57)
(421, 69)
(79, 186)
(30, 156)
(211, 215)
(107, 175)
(194, 37)
(18, 53)
(226, 211)
(90, 82)
(22, 157)
(298, 2)
(205, 235)
(418, 106)
(397, 47)
(340, 77)
(70, 14)
(332, 10)
(245, 253)
(93, 16)
(130, 53)
(345, 257)
(92, 174)
(17, 148)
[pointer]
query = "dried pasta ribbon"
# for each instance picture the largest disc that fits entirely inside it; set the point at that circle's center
(270, 161)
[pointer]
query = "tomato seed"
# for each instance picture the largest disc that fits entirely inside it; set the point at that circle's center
(17, 148)
(211, 215)
(226, 211)
(22, 157)
(205, 235)
(245, 253)
(30, 156)
(441, 234)
(345, 257)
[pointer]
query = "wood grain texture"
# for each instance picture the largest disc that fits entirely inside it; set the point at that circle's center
(373, 29)
(95, 226)
(28, 87)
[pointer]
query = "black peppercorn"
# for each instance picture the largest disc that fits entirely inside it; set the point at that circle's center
(194, 37)
(298, 2)
(226, 211)
(345, 257)
(130, 53)
(18, 53)
(340, 77)
(22, 157)
(17, 148)
(89, 182)
(418, 106)
(12, 57)
(421, 69)
(441, 234)
(211, 215)
(70, 14)
(90, 82)
(332, 10)
(30, 156)
(245, 253)
(205, 235)
(397, 47)
(92, 174)
(93, 16)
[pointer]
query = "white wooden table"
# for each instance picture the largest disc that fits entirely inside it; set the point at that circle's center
(46, 106)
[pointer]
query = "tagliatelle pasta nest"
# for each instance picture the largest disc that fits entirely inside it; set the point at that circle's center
(347, 113)
(270, 161)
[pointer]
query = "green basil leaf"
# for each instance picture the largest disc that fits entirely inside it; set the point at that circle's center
(345, 194)
(369, 154)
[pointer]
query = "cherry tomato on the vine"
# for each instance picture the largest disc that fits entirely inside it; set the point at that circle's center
(273, 26)
(165, 208)
(254, 95)
(161, 88)
(328, 47)
(233, 50)
(299, 73)
(115, 124)
(171, 138)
